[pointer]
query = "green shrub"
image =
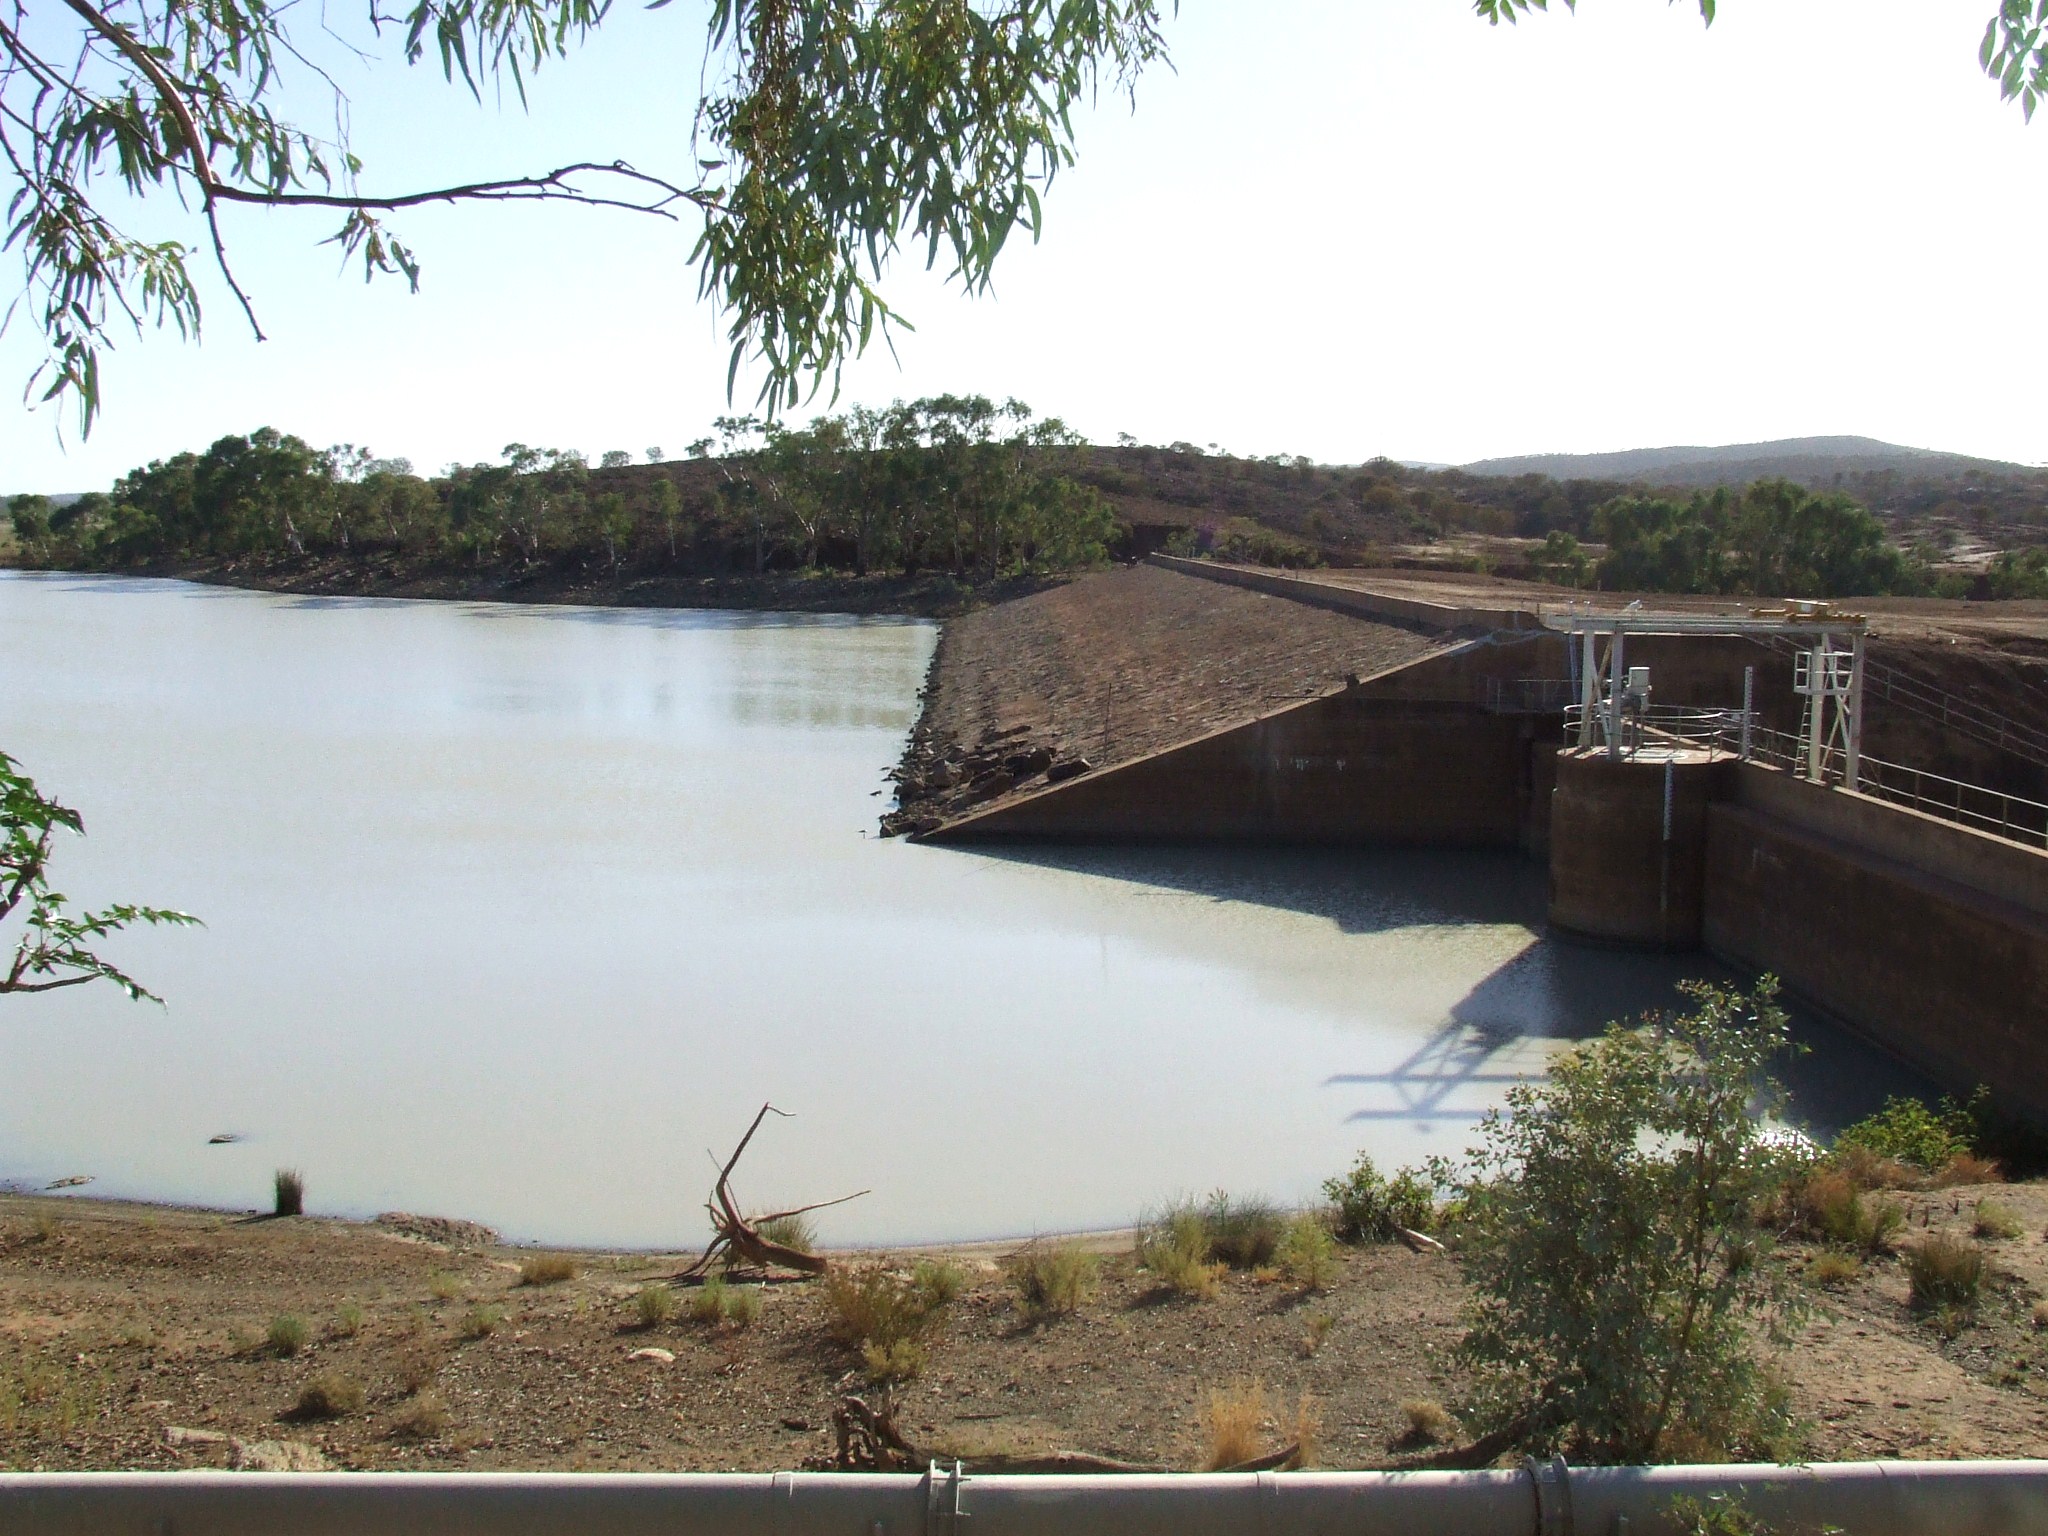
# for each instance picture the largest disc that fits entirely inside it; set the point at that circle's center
(329, 1395)
(1907, 1131)
(1639, 1156)
(875, 1308)
(900, 1360)
(1946, 1272)
(654, 1305)
(1995, 1220)
(288, 1192)
(707, 1302)
(743, 1305)
(1053, 1279)
(1308, 1253)
(481, 1321)
(1369, 1207)
(1242, 1233)
(348, 1320)
(289, 1334)
(1174, 1249)
(444, 1286)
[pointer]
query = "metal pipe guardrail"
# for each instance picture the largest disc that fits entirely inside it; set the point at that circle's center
(1872, 1498)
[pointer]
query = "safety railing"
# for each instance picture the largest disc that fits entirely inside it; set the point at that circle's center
(1525, 695)
(1658, 730)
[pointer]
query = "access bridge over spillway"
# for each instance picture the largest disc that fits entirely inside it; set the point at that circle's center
(1751, 782)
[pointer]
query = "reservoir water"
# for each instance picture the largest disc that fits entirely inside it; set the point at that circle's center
(517, 913)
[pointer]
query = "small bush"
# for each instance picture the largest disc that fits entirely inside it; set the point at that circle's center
(547, 1269)
(882, 1308)
(1230, 1425)
(289, 1334)
(348, 1320)
(654, 1305)
(1174, 1249)
(1969, 1168)
(423, 1416)
(1243, 1233)
(893, 1363)
(288, 1188)
(1369, 1207)
(1995, 1220)
(1427, 1422)
(1832, 1270)
(1827, 1204)
(743, 1305)
(481, 1321)
(707, 1302)
(1866, 1170)
(1053, 1279)
(791, 1232)
(444, 1286)
(1314, 1332)
(1946, 1272)
(1308, 1253)
(329, 1395)
(1907, 1131)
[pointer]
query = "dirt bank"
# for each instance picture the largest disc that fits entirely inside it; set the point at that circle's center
(132, 1337)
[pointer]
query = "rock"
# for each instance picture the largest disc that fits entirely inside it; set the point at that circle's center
(992, 783)
(944, 776)
(72, 1182)
(178, 1434)
(1022, 765)
(439, 1229)
(1072, 768)
(799, 1426)
(658, 1356)
(224, 1139)
(278, 1456)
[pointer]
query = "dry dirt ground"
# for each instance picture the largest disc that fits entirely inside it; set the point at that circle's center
(1115, 665)
(133, 1337)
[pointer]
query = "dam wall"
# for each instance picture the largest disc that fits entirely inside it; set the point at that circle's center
(1929, 938)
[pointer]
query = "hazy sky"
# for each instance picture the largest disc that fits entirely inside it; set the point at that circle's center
(1340, 229)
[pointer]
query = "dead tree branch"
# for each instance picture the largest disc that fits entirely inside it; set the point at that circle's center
(736, 1236)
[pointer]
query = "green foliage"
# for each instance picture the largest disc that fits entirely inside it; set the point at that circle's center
(1307, 1254)
(654, 1305)
(1242, 1233)
(2013, 574)
(1616, 1271)
(1053, 1279)
(887, 1315)
(1994, 1220)
(289, 1333)
(1774, 540)
(54, 948)
(1907, 1131)
(1368, 1208)
(827, 132)
(1174, 1248)
(482, 1320)
(792, 1231)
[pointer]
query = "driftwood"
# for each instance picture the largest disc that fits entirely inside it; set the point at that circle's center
(869, 1441)
(737, 1237)
(1418, 1242)
(1487, 1449)
(1287, 1459)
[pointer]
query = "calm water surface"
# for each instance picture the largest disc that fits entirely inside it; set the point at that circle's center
(515, 913)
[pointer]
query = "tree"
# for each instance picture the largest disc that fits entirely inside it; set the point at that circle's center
(1618, 1273)
(54, 950)
(827, 132)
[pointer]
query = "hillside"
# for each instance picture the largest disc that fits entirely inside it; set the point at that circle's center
(1817, 462)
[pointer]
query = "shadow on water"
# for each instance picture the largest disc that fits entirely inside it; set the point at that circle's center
(1553, 992)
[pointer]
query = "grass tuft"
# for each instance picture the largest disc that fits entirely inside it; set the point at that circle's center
(289, 1334)
(1174, 1249)
(654, 1305)
(1314, 1331)
(791, 1232)
(481, 1321)
(348, 1320)
(1969, 1168)
(1828, 1204)
(1427, 1422)
(288, 1190)
(547, 1269)
(329, 1395)
(424, 1416)
(1947, 1274)
(1995, 1220)
(1053, 1279)
(1230, 1425)
(1832, 1269)
(444, 1285)
(1308, 1253)
(1243, 1233)
(887, 1315)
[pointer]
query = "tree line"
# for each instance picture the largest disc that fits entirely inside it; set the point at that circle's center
(956, 484)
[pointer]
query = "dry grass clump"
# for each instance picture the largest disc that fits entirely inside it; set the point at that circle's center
(1174, 1249)
(348, 1320)
(482, 1320)
(1308, 1253)
(887, 1315)
(1053, 1279)
(1830, 1205)
(444, 1285)
(547, 1269)
(654, 1305)
(423, 1416)
(45, 1227)
(1231, 1423)
(329, 1395)
(1314, 1331)
(1243, 1233)
(1969, 1168)
(1873, 1170)
(791, 1232)
(289, 1333)
(1833, 1269)
(1947, 1274)
(1995, 1220)
(288, 1192)
(2041, 1314)
(717, 1302)
(1427, 1422)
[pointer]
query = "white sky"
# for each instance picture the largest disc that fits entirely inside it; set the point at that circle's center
(1340, 228)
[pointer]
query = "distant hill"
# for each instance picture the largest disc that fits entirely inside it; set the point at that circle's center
(1812, 461)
